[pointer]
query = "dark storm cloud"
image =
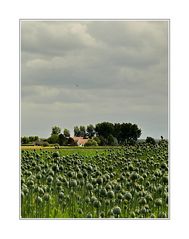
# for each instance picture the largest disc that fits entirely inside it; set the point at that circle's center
(86, 72)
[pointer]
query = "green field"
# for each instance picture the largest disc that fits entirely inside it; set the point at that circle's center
(103, 182)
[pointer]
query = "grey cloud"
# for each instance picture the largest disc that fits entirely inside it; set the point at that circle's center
(85, 72)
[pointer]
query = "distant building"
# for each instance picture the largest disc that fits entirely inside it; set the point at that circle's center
(80, 141)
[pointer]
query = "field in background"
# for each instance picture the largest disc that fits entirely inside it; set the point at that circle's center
(67, 150)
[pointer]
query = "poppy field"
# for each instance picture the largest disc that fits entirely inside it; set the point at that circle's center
(124, 182)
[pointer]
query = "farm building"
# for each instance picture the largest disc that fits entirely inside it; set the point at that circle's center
(80, 141)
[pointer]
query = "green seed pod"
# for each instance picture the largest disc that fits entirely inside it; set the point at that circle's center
(58, 182)
(117, 210)
(39, 176)
(51, 172)
(89, 186)
(165, 179)
(149, 197)
(89, 215)
(79, 175)
(93, 198)
(120, 196)
(61, 195)
(81, 182)
(142, 201)
(87, 200)
(55, 154)
(80, 211)
(73, 183)
(40, 191)
(99, 180)
(133, 215)
(85, 174)
(131, 167)
(25, 190)
(39, 200)
(49, 179)
(128, 196)
(110, 194)
(103, 192)
(46, 197)
(97, 204)
(61, 168)
(162, 215)
(107, 202)
(143, 210)
(117, 187)
(70, 174)
(108, 187)
(55, 168)
(134, 176)
(163, 165)
(158, 202)
(102, 214)
(30, 183)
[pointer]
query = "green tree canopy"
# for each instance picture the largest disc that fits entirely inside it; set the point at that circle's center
(90, 130)
(53, 139)
(56, 130)
(150, 140)
(66, 133)
(82, 131)
(76, 131)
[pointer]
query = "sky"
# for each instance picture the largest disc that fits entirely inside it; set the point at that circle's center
(86, 72)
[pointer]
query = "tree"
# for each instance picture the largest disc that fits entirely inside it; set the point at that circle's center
(62, 140)
(56, 130)
(112, 140)
(33, 138)
(129, 133)
(76, 131)
(104, 129)
(45, 144)
(66, 133)
(53, 139)
(150, 140)
(103, 141)
(117, 132)
(24, 140)
(82, 131)
(90, 130)
(97, 139)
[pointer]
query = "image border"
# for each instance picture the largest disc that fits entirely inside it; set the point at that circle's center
(168, 91)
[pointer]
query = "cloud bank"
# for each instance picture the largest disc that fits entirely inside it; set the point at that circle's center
(82, 72)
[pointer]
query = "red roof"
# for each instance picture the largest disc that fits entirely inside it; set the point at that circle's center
(80, 140)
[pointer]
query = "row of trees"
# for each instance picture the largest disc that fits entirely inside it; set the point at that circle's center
(29, 140)
(56, 138)
(81, 131)
(107, 133)
(104, 133)
(60, 138)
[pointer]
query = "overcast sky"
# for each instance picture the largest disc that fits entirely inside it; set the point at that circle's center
(85, 72)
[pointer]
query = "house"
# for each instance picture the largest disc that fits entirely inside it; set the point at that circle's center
(80, 141)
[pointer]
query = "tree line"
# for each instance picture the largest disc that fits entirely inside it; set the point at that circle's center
(104, 133)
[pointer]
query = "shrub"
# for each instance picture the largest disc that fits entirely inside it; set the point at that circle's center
(112, 140)
(91, 142)
(150, 140)
(97, 139)
(45, 144)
